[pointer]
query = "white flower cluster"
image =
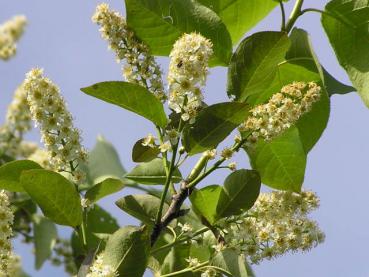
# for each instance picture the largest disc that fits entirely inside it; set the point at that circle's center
(10, 32)
(99, 269)
(277, 223)
(18, 121)
(6, 220)
(41, 157)
(14, 268)
(27, 148)
(188, 70)
(140, 67)
(61, 138)
(283, 109)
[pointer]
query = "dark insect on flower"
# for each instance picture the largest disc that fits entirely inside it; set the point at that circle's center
(179, 65)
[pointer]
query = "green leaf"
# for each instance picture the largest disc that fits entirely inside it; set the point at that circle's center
(230, 261)
(240, 191)
(104, 162)
(141, 206)
(127, 251)
(56, 196)
(159, 23)
(176, 260)
(98, 221)
(240, 16)
(347, 28)
(213, 125)
(105, 188)
(301, 47)
(11, 172)
(313, 123)
(281, 163)
(45, 235)
(204, 202)
(254, 64)
(301, 64)
(131, 97)
(334, 86)
(142, 153)
(152, 173)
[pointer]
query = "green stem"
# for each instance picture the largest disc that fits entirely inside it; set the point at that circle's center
(283, 12)
(175, 242)
(164, 155)
(296, 12)
(168, 180)
(215, 166)
(166, 185)
(189, 269)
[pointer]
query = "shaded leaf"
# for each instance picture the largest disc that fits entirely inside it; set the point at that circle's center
(104, 162)
(205, 200)
(152, 173)
(127, 251)
(240, 191)
(230, 261)
(141, 206)
(105, 188)
(254, 64)
(159, 23)
(213, 125)
(132, 97)
(176, 260)
(10, 174)
(240, 16)
(56, 196)
(45, 235)
(347, 27)
(281, 163)
(98, 221)
(142, 153)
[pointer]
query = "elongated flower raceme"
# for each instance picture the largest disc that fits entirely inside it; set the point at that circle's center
(10, 32)
(49, 111)
(277, 224)
(99, 269)
(188, 70)
(6, 220)
(284, 108)
(18, 121)
(140, 67)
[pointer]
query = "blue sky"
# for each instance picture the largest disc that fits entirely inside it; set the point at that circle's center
(62, 39)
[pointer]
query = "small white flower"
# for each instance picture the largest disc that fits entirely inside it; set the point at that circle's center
(149, 140)
(99, 269)
(185, 228)
(232, 166)
(164, 147)
(192, 261)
